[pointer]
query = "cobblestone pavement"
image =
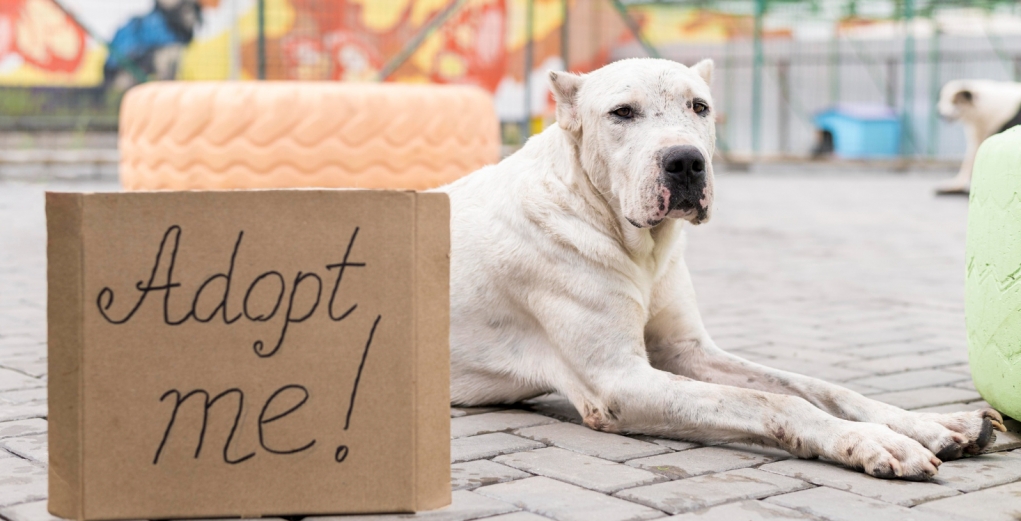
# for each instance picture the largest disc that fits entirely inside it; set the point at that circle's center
(857, 279)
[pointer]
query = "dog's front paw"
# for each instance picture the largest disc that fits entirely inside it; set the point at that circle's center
(883, 453)
(952, 435)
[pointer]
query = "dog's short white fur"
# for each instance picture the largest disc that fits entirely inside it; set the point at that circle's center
(984, 107)
(567, 275)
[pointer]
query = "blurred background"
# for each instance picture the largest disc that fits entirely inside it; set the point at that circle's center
(783, 66)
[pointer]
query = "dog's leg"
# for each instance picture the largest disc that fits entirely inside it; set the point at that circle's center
(677, 342)
(634, 397)
(949, 436)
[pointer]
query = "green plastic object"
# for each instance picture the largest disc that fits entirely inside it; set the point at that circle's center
(993, 276)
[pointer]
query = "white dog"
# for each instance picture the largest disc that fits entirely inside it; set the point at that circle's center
(567, 275)
(986, 108)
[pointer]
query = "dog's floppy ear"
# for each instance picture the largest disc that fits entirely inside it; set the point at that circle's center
(565, 90)
(963, 96)
(704, 69)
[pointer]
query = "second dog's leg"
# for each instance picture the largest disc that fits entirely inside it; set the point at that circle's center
(962, 181)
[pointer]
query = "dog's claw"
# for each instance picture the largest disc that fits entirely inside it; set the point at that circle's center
(985, 436)
(995, 418)
(950, 452)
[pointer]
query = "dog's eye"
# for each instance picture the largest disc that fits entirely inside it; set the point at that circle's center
(699, 107)
(624, 112)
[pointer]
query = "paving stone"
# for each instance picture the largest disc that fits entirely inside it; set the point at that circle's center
(992, 504)
(488, 445)
(960, 368)
(519, 516)
(566, 502)
(700, 461)
(24, 396)
(22, 427)
(798, 340)
(744, 511)
(927, 397)
(240, 519)
(32, 447)
(978, 472)
(685, 495)
(860, 389)
(902, 363)
(472, 425)
(585, 471)
(900, 492)
(802, 353)
(912, 380)
(21, 481)
(465, 505)
(34, 511)
(584, 440)
(22, 411)
(873, 335)
(830, 373)
(955, 407)
(837, 505)
(669, 443)
(886, 350)
(12, 380)
(33, 365)
(967, 383)
(474, 474)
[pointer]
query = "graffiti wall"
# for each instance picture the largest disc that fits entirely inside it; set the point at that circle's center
(113, 45)
(41, 45)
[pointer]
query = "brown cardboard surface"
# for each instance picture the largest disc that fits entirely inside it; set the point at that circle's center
(258, 353)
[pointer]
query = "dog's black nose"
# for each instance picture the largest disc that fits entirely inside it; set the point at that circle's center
(684, 162)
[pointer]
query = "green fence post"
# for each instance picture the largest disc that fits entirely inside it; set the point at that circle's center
(728, 89)
(934, 87)
(835, 65)
(262, 39)
(760, 10)
(124, 61)
(907, 134)
(565, 42)
(636, 30)
(415, 41)
(526, 126)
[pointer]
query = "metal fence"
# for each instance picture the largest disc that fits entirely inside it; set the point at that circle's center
(799, 81)
(768, 88)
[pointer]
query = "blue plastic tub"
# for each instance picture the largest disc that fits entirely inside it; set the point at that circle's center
(862, 131)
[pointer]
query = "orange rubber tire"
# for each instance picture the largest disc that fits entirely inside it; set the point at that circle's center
(235, 135)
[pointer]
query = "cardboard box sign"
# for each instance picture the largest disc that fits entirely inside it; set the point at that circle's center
(280, 352)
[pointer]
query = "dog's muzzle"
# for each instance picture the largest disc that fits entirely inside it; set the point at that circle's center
(684, 175)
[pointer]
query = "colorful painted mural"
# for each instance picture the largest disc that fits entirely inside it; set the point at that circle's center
(42, 45)
(117, 44)
(114, 44)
